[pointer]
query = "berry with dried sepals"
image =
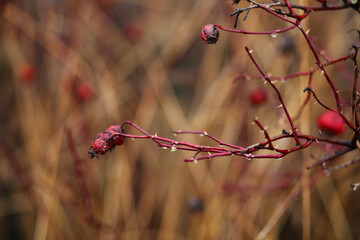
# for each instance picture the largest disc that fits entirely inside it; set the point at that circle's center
(258, 96)
(102, 144)
(106, 141)
(330, 123)
(210, 34)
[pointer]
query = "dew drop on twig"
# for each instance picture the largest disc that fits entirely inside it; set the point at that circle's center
(164, 148)
(248, 156)
(274, 34)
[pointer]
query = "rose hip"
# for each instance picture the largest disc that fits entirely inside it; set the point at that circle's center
(258, 96)
(210, 34)
(331, 123)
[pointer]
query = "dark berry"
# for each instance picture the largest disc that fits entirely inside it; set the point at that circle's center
(210, 34)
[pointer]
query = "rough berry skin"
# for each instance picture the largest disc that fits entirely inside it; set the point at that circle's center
(28, 73)
(115, 129)
(100, 146)
(210, 34)
(258, 96)
(106, 141)
(331, 123)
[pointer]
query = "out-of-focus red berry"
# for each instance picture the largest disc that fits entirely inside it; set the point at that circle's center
(258, 96)
(210, 34)
(133, 31)
(28, 73)
(330, 123)
(83, 91)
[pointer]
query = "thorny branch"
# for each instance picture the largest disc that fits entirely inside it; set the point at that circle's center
(268, 148)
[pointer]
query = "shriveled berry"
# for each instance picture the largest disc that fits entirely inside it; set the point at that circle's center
(114, 130)
(106, 141)
(258, 96)
(101, 147)
(330, 123)
(28, 73)
(210, 34)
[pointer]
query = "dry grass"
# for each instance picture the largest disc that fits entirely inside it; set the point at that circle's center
(164, 79)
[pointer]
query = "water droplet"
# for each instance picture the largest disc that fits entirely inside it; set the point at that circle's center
(248, 156)
(195, 161)
(201, 135)
(274, 34)
(173, 149)
(132, 139)
(327, 172)
(280, 158)
(164, 148)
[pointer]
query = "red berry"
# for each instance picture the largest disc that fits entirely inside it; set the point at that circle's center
(100, 146)
(106, 141)
(83, 92)
(115, 129)
(331, 123)
(210, 34)
(258, 96)
(28, 73)
(132, 31)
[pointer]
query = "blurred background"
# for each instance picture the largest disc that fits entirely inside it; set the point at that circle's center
(70, 69)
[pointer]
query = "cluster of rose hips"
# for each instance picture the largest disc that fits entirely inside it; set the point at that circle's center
(106, 141)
